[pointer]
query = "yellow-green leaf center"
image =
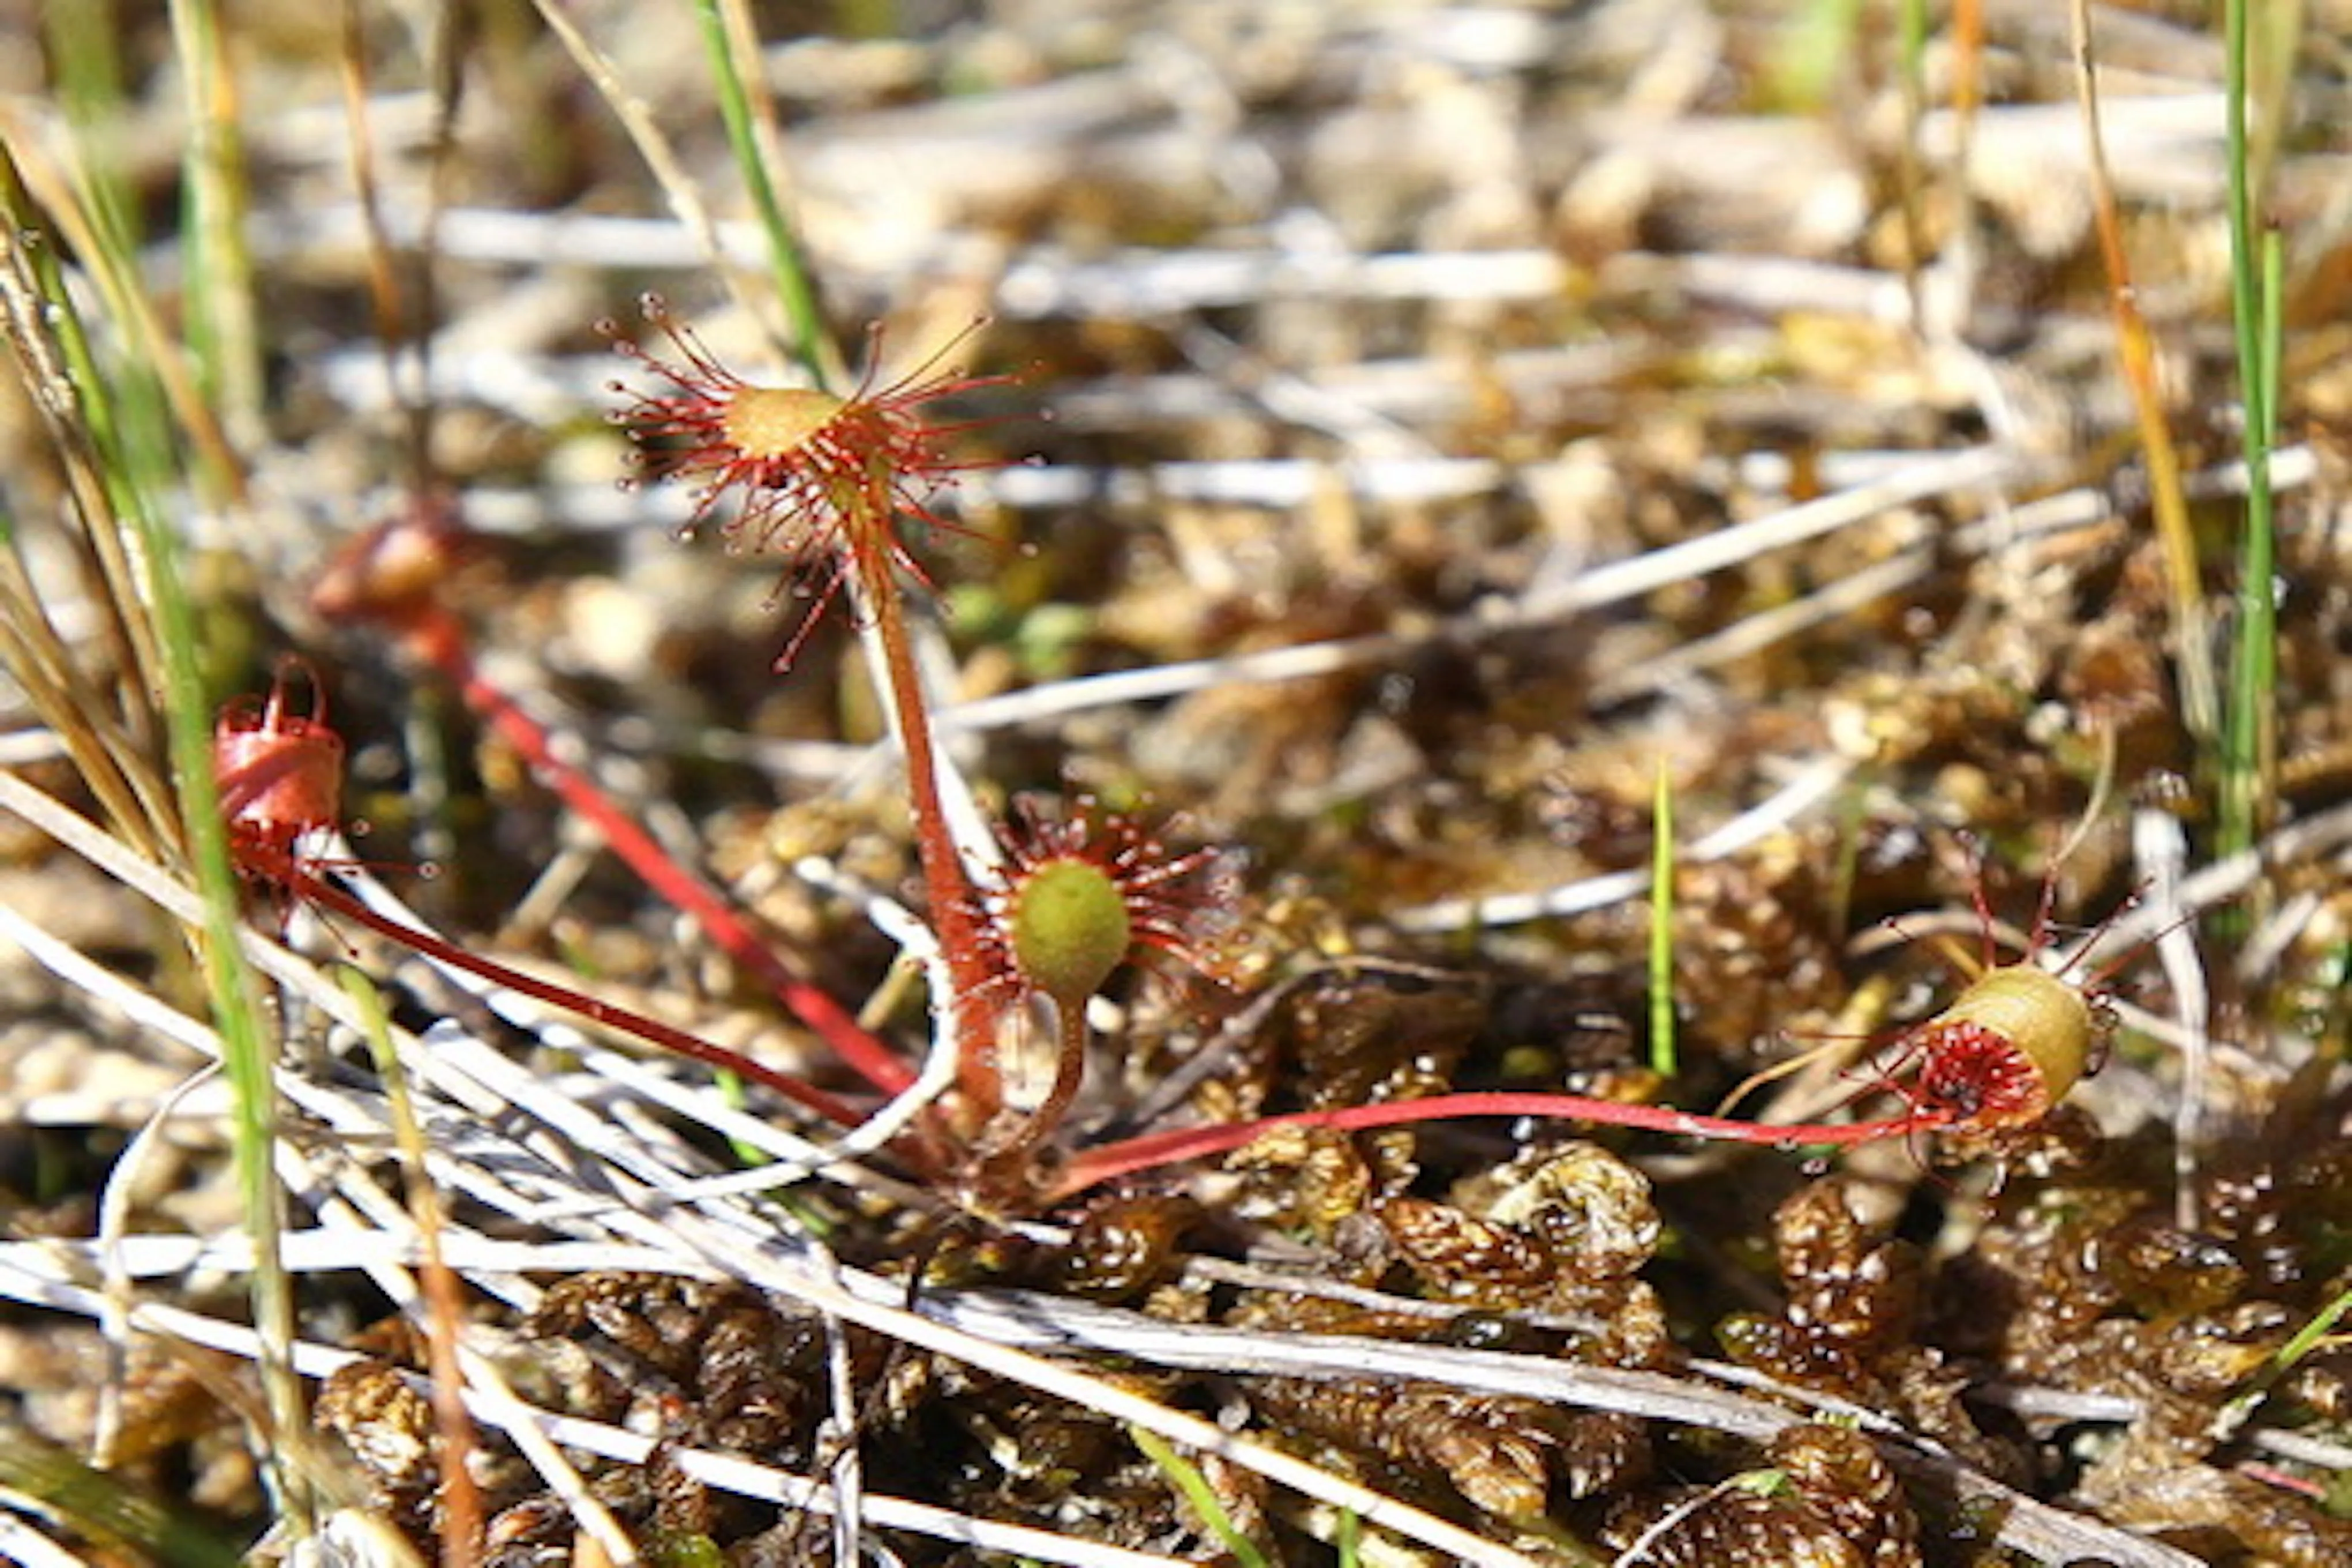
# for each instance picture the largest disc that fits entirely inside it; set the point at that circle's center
(1069, 929)
(775, 421)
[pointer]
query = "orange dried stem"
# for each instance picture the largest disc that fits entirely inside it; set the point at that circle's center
(2137, 358)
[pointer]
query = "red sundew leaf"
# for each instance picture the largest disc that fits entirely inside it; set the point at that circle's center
(827, 481)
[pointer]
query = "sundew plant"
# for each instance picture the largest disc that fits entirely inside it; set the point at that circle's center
(1519, 785)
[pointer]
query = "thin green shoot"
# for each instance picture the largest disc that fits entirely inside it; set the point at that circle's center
(2250, 744)
(1663, 1056)
(140, 471)
(2251, 673)
(122, 1523)
(2309, 1336)
(2253, 734)
(2244, 273)
(248, 1051)
(84, 47)
(1347, 1539)
(2334, 1033)
(733, 1094)
(1188, 1480)
(734, 1091)
(222, 325)
(2317, 1333)
(727, 32)
(2274, 39)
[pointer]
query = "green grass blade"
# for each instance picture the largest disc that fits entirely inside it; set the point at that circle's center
(119, 412)
(249, 1051)
(222, 326)
(1664, 1059)
(2249, 743)
(728, 47)
(129, 1525)
(1187, 1478)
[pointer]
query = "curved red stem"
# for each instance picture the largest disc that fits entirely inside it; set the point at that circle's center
(947, 890)
(273, 865)
(1091, 1167)
(434, 636)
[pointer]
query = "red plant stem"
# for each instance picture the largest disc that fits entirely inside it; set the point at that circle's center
(275, 865)
(1069, 1070)
(947, 890)
(436, 636)
(1090, 1167)
(1070, 1073)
